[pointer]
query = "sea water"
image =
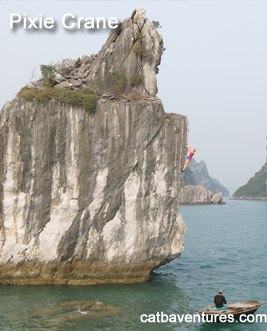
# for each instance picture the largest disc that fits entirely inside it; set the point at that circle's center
(225, 248)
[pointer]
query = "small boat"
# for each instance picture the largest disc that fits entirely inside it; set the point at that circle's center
(235, 310)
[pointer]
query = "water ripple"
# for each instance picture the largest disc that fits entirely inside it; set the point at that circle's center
(225, 247)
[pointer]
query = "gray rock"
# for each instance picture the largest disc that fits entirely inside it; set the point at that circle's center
(77, 63)
(86, 59)
(84, 75)
(30, 85)
(138, 17)
(65, 71)
(217, 198)
(58, 78)
(65, 84)
(75, 82)
(199, 195)
(73, 75)
(134, 47)
(107, 95)
(39, 85)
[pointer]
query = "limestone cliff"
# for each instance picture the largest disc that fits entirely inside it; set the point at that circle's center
(89, 198)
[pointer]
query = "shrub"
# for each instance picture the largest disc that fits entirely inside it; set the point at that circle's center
(139, 36)
(97, 85)
(118, 82)
(177, 130)
(48, 72)
(156, 24)
(140, 49)
(85, 98)
(87, 90)
(135, 79)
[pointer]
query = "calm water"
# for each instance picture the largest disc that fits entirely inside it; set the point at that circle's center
(225, 247)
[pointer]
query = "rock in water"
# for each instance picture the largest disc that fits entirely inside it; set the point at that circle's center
(198, 194)
(91, 198)
(72, 311)
(197, 174)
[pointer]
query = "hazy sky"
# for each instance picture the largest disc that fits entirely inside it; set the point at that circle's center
(214, 69)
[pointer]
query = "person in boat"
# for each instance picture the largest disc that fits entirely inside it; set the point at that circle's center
(191, 151)
(220, 300)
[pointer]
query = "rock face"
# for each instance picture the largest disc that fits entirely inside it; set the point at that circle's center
(197, 174)
(135, 47)
(199, 195)
(92, 198)
(134, 50)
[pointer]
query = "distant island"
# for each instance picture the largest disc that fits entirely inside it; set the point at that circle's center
(256, 187)
(200, 188)
(197, 174)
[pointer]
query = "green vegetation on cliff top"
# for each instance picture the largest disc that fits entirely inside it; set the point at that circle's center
(85, 98)
(256, 187)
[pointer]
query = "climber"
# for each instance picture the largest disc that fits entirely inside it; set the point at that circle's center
(191, 151)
